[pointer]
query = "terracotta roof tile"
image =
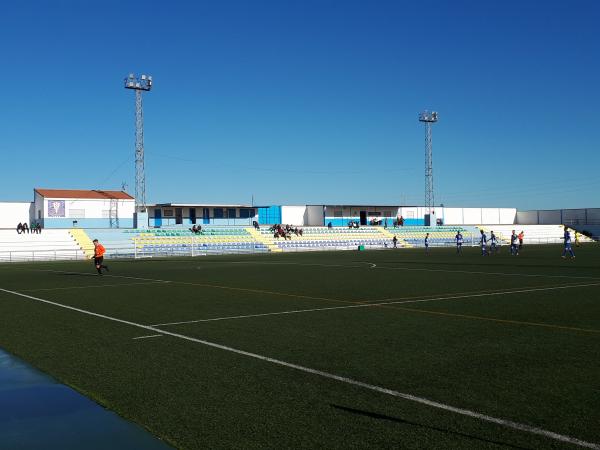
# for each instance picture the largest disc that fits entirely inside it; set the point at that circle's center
(80, 193)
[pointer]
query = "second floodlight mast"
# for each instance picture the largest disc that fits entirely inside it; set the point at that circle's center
(429, 118)
(139, 85)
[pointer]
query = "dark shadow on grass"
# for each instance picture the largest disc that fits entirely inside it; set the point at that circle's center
(374, 415)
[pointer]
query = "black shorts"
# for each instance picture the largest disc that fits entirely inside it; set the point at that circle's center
(98, 260)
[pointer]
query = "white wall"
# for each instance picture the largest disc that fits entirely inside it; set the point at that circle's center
(91, 208)
(478, 216)
(293, 215)
(453, 216)
(314, 216)
(409, 212)
(11, 213)
(508, 216)
(472, 216)
(490, 215)
(38, 206)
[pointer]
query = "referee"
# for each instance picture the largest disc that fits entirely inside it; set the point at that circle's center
(99, 252)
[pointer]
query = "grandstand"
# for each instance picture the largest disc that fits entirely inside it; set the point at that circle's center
(76, 243)
(48, 245)
(324, 238)
(228, 229)
(212, 240)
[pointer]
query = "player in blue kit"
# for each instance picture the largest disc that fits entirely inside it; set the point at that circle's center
(514, 244)
(459, 242)
(427, 243)
(567, 239)
(493, 243)
(483, 243)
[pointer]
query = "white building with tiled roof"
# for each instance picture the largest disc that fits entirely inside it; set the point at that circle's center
(67, 208)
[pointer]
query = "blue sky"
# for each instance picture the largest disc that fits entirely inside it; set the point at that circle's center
(305, 102)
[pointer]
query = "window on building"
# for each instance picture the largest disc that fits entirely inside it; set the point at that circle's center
(178, 216)
(77, 213)
(231, 213)
(374, 213)
(168, 212)
(246, 213)
(218, 213)
(387, 214)
(338, 213)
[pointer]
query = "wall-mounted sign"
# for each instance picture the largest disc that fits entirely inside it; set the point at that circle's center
(56, 208)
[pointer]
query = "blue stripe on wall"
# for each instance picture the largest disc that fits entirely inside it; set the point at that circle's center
(85, 223)
(170, 222)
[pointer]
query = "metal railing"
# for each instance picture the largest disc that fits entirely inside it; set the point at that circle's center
(40, 255)
(198, 250)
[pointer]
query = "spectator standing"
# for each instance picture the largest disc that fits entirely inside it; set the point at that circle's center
(395, 241)
(19, 228)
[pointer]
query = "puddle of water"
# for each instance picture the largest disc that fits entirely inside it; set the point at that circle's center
(38, 412)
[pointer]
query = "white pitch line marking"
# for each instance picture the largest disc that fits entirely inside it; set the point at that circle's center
(341, 265)
(94, 286)
(148, 337)
(473, 272)
(421, 400)
(366, 305)
(373, 266)
(105, 274)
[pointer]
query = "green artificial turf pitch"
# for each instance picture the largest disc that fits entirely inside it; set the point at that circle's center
(515, 338)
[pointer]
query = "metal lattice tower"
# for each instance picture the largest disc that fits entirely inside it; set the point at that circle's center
(143, 83)
(428, 118)
(113, 213)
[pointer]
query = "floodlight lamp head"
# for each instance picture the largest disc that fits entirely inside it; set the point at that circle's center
(143, 83)
(427, 116)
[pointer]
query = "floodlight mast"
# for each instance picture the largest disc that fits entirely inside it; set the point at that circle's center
(139, 85)
(428, 118)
